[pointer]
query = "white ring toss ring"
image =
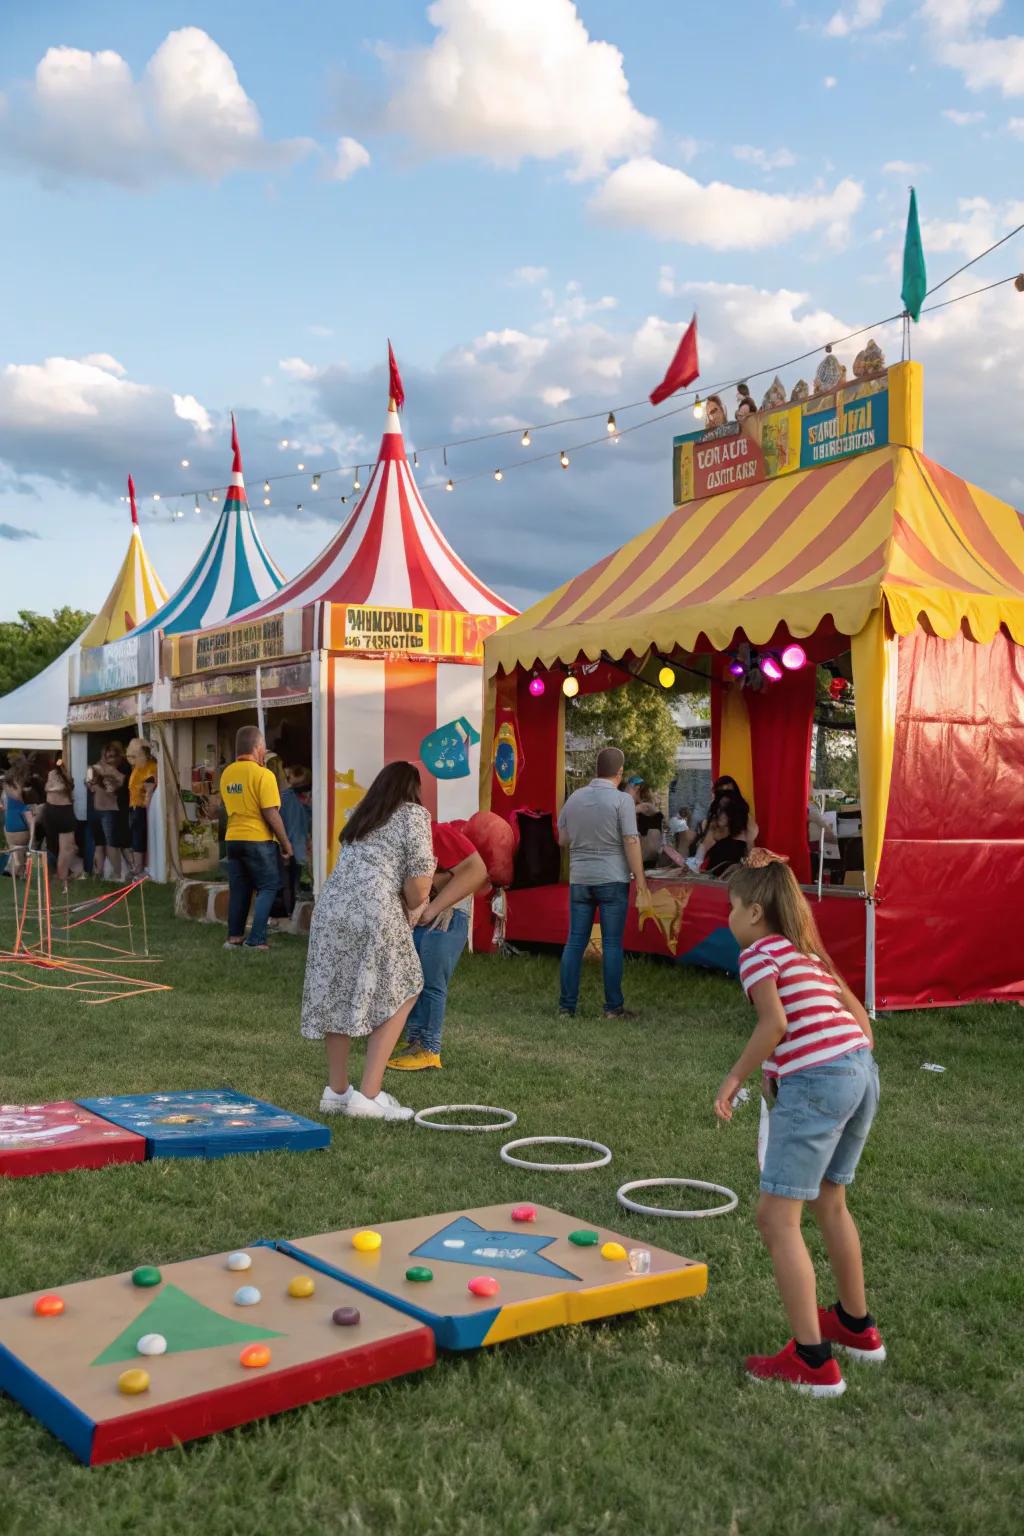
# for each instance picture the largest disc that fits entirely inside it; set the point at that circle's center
(656, 1210)
(483, 1109)
(561, 1141)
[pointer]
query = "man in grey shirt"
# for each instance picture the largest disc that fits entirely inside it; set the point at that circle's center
(598, 826)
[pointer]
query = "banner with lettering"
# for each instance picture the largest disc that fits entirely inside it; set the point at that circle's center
(236, 645)
(767, 444)
(424, 632)
(126, 663)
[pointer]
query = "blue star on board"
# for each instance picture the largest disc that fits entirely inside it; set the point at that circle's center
(464, 1241)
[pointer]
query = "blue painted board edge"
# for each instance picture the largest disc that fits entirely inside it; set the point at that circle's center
(46, 1404)
(306, 1136)
(451, 1333)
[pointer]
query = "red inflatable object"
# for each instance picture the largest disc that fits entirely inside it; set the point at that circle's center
(494, 840)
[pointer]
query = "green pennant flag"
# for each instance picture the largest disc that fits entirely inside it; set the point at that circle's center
(915, 279)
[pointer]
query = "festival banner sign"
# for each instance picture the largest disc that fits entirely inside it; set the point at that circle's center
(109, 711)
(205, 694)
(771, 443)
(235, 645)
(112, 668)
(424, 632)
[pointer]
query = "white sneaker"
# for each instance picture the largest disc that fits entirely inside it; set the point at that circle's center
(336, 1103)
(384, 1107)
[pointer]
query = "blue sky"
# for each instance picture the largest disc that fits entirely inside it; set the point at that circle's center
(232, 206)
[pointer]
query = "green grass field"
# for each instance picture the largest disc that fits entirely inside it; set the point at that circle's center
(642, 1425)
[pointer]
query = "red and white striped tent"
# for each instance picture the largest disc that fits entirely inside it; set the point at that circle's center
(401, 622)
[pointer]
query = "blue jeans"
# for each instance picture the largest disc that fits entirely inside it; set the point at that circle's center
(252, 868)
(439, 955)
(612, 900)
(819, 1125)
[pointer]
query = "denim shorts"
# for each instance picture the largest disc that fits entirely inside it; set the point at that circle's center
(819, 1125)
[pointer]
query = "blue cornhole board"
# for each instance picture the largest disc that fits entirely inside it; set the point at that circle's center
(214, 1122)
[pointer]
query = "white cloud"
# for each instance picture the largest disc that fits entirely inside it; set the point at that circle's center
(1016, 127)
(830, 82)
(902, 168)
(512, 82)
(555, 395)
(84, 116)
(297, 368)
(666, 202)
(688, 148)
(855, 18)
(187, 408)
(106, 362)
(765, 159)
(959, 30)
(980, 224)
(962, 119)
(667, 280)
(529, 276)
(349, 156)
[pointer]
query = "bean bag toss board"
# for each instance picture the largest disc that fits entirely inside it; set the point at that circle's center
(217, 1362)
(543, 1270)
(213, 1122)
(53, 1138)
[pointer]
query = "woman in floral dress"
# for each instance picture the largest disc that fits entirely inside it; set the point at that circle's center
(362, 971)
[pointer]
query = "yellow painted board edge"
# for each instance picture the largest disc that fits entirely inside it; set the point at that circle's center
(525, 1317)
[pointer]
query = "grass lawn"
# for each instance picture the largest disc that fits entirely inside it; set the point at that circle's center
(641, 1425)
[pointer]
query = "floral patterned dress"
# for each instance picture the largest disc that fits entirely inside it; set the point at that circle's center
(362, 963)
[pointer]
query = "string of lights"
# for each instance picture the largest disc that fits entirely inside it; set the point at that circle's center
(692, 400)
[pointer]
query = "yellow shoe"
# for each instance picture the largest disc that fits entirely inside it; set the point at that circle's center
(415, 1061)
(403, 1048)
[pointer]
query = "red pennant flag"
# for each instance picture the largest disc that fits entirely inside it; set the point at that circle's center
(131, 498)
(236, 467)
(395, 385)
(683, 369)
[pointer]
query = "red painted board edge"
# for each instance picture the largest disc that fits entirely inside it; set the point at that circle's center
(21, 1164)
(258, 1396)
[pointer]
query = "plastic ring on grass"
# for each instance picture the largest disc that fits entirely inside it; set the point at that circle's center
(621, 1196)
(451, 1109)
(561, 1141)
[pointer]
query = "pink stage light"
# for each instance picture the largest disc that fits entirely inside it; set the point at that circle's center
(536, 686)
(736, 669)
(771, 669)
(794, 657)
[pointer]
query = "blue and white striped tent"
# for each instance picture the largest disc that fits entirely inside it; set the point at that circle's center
(233, 572)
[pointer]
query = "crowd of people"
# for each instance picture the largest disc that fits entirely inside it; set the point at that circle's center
(39, 811)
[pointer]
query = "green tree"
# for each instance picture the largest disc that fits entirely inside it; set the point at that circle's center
(30, 642)
(634, 717)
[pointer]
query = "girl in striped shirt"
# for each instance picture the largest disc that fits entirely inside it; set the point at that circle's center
(814, 1041)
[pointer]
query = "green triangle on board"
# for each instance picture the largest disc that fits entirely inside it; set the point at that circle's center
(185, 1324)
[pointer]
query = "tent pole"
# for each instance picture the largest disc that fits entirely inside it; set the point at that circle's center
(261, 718)
(869, 958)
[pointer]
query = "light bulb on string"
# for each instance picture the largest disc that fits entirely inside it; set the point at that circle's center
(610, 423)
(356, 483)
(537, 687)
(525, 439)
(156, 495)
(266, 487)
(737, 669)
(415, 459)
(698, 409)
(450, 486)
(184, 463)
(212, 495)
(284, 442)
(266, 501)
(300, 466)
(298, 506)
(571, 686)
(771, 669)
(198, 509)
(667, 677)
(498, 475)
(563, 459)
(793, 657)
(344, 501)
(316, 482)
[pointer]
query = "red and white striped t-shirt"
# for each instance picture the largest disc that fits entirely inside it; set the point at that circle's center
(819, 1026)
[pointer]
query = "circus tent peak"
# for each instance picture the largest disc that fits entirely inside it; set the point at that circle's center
(233, 572)
(137, 592)
(390, 552)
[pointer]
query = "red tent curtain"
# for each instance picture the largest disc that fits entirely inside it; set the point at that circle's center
(781, 720)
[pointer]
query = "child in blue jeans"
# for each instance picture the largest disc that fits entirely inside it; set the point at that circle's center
(814, 1041)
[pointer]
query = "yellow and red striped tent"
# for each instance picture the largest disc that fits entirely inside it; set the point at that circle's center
(136, 594)
(877, 543)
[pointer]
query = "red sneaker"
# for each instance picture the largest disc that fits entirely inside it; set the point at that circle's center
(821, 1381)
(866, 1345)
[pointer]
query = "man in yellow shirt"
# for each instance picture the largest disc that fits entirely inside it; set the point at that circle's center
(255, 833)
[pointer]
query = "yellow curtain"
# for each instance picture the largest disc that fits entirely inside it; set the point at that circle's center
(487, 741)
(734, 756)
(875, 653)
